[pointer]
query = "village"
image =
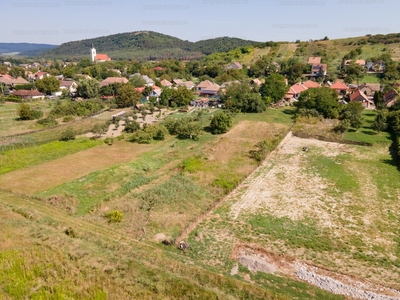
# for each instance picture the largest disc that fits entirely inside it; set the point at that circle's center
(206, 93)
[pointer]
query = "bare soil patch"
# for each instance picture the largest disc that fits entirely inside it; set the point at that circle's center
(281, 183)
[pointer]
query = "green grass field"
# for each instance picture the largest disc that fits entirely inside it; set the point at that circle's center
(14, 159)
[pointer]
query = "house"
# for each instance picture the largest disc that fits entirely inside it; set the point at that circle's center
(314, 60)
(339, 87)
(203, 85)
(295, 90)
(69, 85)
(19, 81)
(158, 68)
(6, 79)
(229, 83)
(210, 90)
(41, 75)
(255, 81)
(188, 84)
(115, 71)
(319, 70)
(177, 81)
(360, 62)
(359, 96)
(369, 89)
(111, 80)
(156, 92)
(165, 83)
(7, 63)
(148, 80)
(235, 65)
(390, 97)
(311, 84)
(203, 102)
(29, 94)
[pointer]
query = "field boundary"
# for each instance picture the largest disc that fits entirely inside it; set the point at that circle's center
(304, 135)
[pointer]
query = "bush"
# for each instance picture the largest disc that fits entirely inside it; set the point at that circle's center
(141, 137)
(67, 119)
(47, 122)
(109, 141)
(25, 112)
(68, 134)
(114, 216)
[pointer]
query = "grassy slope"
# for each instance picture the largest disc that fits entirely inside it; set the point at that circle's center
(156, 176)
(39, 259)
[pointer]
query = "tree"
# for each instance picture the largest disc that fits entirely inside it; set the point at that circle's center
(137, 81)
(220, 123)
(127, 96)
(378, 100)
(380, 121)
(352, 112)
(274, 87)
(48, 85)
(68, 134)
(165, 96)
(99, 129)
(88, 88)
(25, 112)
(342, 127)
(352, 72)
(242, 98)
(324, 100)
(182, 96)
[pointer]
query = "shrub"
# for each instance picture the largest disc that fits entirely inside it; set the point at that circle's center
(25, 112)
(47, 122)
(68, 134)
(109, 141)
(67, 119)
(114, 216)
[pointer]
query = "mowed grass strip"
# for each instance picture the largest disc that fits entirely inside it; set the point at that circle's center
(366, 134)
(14, 159)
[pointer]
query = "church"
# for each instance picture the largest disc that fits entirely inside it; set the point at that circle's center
(98, 57)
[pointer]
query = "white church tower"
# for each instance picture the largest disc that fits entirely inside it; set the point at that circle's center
(92, 53)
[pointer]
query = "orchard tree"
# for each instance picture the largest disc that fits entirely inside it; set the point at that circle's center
(274, 87)
(378, 100)
(220, 123)
(380, 122)
(127, 96)
(88, 88)
(48, 85)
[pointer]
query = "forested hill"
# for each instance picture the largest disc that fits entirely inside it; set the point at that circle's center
(145, 45)
(27, 49)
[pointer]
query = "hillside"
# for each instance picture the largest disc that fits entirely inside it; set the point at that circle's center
(24, 49)
(145, 45)
(331, 51)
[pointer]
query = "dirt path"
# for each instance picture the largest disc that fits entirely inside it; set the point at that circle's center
(50, 174)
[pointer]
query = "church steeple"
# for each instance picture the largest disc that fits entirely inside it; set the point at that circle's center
(92, 53)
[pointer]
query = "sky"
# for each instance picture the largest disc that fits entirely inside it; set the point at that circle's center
(57, 22)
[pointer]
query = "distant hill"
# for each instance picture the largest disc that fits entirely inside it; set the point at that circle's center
(24, 49)
(145, 45)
